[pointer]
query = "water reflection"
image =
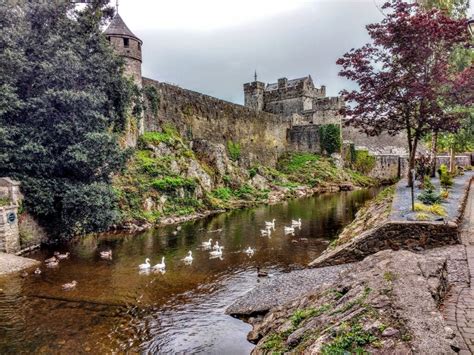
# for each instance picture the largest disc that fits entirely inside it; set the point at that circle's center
(116, 306)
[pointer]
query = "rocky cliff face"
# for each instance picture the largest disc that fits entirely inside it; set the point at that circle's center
(388, 303)
(170, 179)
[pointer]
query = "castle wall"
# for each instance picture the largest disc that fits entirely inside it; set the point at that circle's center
(304, 138)
(387, 167)
(262, 136)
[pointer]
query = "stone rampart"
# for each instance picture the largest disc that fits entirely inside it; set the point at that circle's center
(262, 136)
(387, 167)
(304, 138)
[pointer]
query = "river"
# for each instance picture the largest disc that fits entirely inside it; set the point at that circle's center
(114, 307)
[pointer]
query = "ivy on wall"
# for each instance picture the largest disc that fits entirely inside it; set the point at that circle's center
(364, 162)
(151, 94)
(330, 138)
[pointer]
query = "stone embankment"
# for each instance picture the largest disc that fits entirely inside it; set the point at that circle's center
(11, 263)
(394, 230)
(387, 303)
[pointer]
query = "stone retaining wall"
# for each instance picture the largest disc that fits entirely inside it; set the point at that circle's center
(395, 235)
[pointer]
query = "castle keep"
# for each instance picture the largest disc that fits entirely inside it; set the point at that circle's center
(298, 99)
(278, 117)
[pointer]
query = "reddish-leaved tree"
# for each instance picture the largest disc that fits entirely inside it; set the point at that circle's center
(405, 76)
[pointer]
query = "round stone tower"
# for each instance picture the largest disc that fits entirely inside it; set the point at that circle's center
(128, 46)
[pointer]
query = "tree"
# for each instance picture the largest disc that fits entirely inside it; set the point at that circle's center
(63, 106)
(405, 77)
(461, 58)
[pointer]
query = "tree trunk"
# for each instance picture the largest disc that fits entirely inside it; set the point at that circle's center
(452, 160)
(411, 162)
(434, 147)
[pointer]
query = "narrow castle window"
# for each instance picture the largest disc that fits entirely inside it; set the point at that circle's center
(126, 42)
(108, 39)
(139, 46)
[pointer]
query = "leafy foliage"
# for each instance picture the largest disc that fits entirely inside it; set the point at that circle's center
(405, 76)
(348, 339)
(445, 177)
(63, 105)
(363, 162)
(330, 138)
(151, 95)
(234, 150)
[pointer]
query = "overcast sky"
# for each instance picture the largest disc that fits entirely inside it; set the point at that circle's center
(214, 46)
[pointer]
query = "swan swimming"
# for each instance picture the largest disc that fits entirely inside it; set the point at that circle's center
(249, 251)
(217, 252)
(207, 244)
(106, 254)
(160, 266)
(217, 246)
(270, 224)
(266, 232)
(289, 230)
(296, 223)
(145, 266)
(189, 259)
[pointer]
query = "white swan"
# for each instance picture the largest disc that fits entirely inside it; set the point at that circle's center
(296, 223)
(249, 251)
(106, 254)
(289, 230)
(189, 258)
(207, 244)
(270, 224)
(145, 266)
(265, 232)
(216, 246)
(217, 252)
(160, 266)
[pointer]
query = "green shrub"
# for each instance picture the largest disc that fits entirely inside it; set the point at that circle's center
(223, 193)
(330, 138)
(151, 95)
(348, 340)
(429, 196)
(245, 192)
(292, 162)
(253, 172)
(173, 183)
(234, 150)
(364, 162)
(445, 177)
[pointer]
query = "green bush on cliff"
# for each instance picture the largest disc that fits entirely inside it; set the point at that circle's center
(223, 193)
(173, 183)
(364, 162)
(234, 150)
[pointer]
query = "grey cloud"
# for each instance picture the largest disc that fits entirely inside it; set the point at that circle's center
(304, 41)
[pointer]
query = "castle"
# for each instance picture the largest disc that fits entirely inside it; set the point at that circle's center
(278, 117)
(298, 99)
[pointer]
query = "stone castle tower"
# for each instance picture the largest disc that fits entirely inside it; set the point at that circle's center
(128, 46)
(254, 92)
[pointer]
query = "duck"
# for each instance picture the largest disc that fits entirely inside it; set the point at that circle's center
(249, 251)
(51, 260)
(261, 272)
(207, 244)
(217, 252)
(70, 285)
(107, 254)
(61, 256)
(189, 259)
(270, 224)
(265, 232)
(289, 230)
(37, 271)
(296, 223)
(146, 265)
(160, 266)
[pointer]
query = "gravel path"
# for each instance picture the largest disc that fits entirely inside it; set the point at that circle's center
(11, 263)
(275, 291)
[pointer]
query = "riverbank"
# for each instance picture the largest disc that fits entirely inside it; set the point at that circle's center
(390, 301)
(10, 263)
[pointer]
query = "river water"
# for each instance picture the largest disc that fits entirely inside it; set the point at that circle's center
(114, 307)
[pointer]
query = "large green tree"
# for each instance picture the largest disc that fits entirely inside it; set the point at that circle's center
(63, 106)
